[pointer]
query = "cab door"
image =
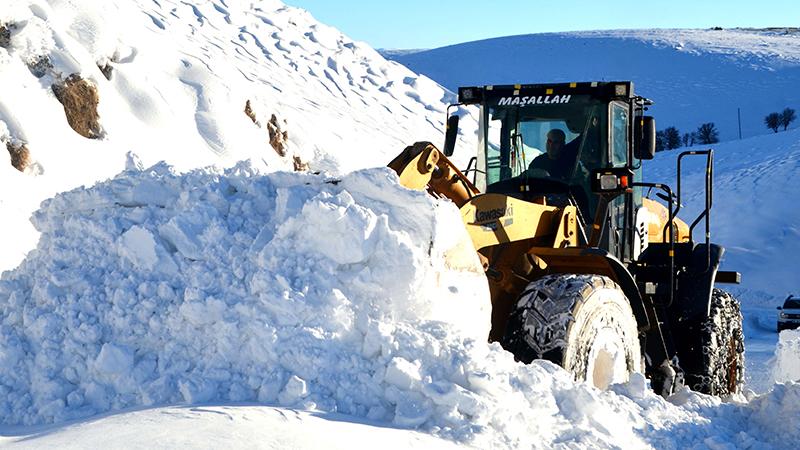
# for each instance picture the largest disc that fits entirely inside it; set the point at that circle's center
(619, 137)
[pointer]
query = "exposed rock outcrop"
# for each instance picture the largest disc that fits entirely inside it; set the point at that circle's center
(80, 100)
(20, 155)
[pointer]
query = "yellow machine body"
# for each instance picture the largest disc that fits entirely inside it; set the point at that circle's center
(516, 240)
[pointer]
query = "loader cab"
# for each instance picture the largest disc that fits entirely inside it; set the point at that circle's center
(518, 129)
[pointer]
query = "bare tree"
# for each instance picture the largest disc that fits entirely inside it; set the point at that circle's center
(672, 138)
(707, 134)
(689, 139)
(787, 116)
(773, 121)
(661, 141)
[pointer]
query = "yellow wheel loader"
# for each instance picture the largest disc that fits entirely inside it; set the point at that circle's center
(584, 269)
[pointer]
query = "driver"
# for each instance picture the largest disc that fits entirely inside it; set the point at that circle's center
(556, 162)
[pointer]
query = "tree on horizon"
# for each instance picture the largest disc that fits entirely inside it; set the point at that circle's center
(689, 139)
(707, 134)
(787, 116)
(773, 121)
(672, 138)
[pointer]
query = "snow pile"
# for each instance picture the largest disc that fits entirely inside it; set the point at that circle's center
(732, 424)
(155, 287)
(353, 296)
(787, 357)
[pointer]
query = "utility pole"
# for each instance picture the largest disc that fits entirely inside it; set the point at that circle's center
(739, 114)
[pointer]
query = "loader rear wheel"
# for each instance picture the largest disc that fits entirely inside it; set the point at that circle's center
(718, 368)
(583, 323)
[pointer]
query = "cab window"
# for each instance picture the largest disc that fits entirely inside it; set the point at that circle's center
(619, 134)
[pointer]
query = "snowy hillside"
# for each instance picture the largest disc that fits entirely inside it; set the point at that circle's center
(177, 79)
(754, 218)
(189, 276)
(753, 214)
(694, 76)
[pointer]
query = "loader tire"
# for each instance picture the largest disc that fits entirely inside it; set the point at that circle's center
(718, 368)
(584, 323)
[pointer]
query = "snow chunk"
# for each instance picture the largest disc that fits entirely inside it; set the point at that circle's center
(139, 247)
(350, 238)
(403, 373)
(412, 411)
(294, 391)
(787, 357)
(114, 360)
(183, 233)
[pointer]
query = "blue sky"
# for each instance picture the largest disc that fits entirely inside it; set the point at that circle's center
(436, 23)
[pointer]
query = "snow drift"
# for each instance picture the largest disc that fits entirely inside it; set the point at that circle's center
(352, 296)
(155, 287)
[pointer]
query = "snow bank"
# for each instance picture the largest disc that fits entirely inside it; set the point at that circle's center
(354, 296)
(155, 287)
(787, 357)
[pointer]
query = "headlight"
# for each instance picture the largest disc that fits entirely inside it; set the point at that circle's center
(782, 315)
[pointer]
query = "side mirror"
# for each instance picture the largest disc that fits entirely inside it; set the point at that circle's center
(645, 147)
(779, 308)
(450, 135)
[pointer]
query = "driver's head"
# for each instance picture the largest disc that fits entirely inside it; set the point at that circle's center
(555, 143)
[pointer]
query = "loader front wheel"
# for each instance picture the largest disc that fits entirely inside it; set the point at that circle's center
(718, 368)
(583, 323)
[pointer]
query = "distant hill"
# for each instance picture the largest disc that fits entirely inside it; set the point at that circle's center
(694, 76)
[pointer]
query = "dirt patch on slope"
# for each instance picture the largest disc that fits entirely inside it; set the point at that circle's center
(5, 34)
(277, 137)
(248, 110)
(20, 156)
(80, 99)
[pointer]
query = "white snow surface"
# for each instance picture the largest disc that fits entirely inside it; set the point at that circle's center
(388, 333)
(181, 73)
(694, 76)
(787, 357)
(226, 426)
(158, 288)
(213, 300)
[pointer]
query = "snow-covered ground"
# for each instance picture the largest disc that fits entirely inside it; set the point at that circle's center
(222, 287)
(181, 75)
(243, 305)
(694, 76)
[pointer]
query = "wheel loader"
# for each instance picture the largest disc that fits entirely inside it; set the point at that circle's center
(584, 267)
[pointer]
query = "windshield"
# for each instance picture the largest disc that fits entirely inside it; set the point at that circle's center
(560, 141)
(792, 303)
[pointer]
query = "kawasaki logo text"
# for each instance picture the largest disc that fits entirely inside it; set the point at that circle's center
(492, 214)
